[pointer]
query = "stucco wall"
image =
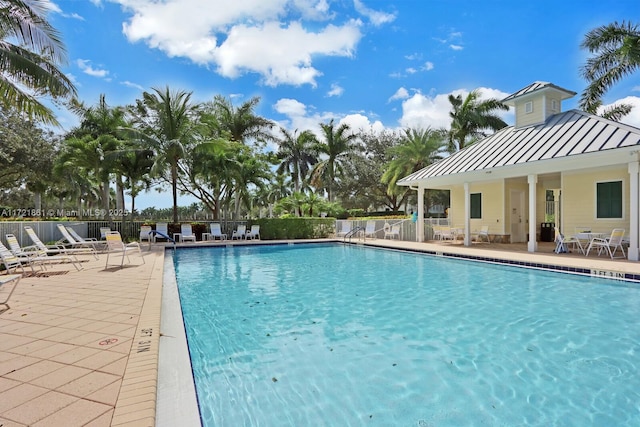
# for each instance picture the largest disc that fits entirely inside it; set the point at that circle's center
(493, 213)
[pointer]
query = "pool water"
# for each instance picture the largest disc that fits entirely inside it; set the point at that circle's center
(336, 335)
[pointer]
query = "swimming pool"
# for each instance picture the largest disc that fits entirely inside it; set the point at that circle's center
(339, 335)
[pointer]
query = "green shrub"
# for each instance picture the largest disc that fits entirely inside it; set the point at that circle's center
(294, 228)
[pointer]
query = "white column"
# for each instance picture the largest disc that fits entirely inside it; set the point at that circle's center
(532, 245)
(467, 215)
(420, 221)
(634, 205)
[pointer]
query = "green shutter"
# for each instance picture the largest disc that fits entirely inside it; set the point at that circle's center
(476, 205)
(609, 199)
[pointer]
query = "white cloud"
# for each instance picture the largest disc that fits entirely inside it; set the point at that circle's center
(633, 118)
(290, 107)
(411, 70)
(251, 36)
(428, 66)
(456, 47)
(336, 90)
(422, 111)
(131, 84)
(87, 68)
(376, 18)
(52, 7)
(401, 93)
(359, 122)
(635, 89)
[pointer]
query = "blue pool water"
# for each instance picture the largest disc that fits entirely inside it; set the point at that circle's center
(334, 335)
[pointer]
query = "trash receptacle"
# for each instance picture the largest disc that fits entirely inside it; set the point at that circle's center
(547, 232)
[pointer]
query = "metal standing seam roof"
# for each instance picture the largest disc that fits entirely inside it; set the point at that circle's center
(535, 86)
(570, 133)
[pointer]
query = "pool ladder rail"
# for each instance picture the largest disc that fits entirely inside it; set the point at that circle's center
(353, 232)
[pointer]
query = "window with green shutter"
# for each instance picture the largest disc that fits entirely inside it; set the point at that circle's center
(476, 205)
(609, 199)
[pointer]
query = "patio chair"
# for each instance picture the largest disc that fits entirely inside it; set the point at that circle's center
(31, 255)
(216, 232)
(10, 261)
(370, 229)
(116, 245)
(186, 233)
(161, 231)
(605, 244)
(103, 232)
(446, 233)
(4, 280)
(482, 235)
(57, 249)
(145, 233)
(254, 233)
(437, 232)
(563, 243)
(240, 232)
(393, 232)
(345, 229)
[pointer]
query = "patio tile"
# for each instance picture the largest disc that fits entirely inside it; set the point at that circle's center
(60, 377)
(39, 407)
(33, 371)
(9, 341)
(6, 384)
(88, 384)
(52, 349)
(79, 413)
(75, 354)
(30, 347)
(8, 423)
(18, 395)
(107, 395)
(116, 368)
(98, 360)
(16, 363)
(103, 420)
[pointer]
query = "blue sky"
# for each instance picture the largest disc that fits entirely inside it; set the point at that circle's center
(370, 63)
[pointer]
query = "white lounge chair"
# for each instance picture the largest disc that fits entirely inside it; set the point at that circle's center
(614, 241)
(31, 255)
(370, 229)
(145, 233)
(346, 229)
(186, 233)
(393, 232)
(12, 262)
(240, 232)
(216, 232)
(254, 233)
(116, 245)
(95, 243)
(563, 243)
(74, 244)
(4, 280)
(57, 249)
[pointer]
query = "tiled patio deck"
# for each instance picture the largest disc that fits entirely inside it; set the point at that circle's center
(81, 348)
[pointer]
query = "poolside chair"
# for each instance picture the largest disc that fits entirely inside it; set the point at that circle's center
(240, 232)
(145, 233)
(103, 232)
(446, 233)
(437, 232)
(614, 241)
(216, 232)
(393, 232)
(10, 261)
(31, 255)
(93, 242)
(162, 231)
(346, 229)
(370, 229)
(563, 243)
(186, 233)
(254, 233)
(56, 249)
(4, 280)
(73, 244)
(116, 245)
(482, 235)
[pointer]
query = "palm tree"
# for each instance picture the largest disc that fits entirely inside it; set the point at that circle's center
(338, 144)
(617, 54)
(241, 123)
(166, 127)
(297, 155)
(419, 149)
(470, 117)
(31, 65)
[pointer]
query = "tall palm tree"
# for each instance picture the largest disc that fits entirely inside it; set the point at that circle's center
(29, 67)
(418, 149)
(471, 117)
(616, 49)
(297, 154)
(165, 124)
(338, 143)
(241, 123)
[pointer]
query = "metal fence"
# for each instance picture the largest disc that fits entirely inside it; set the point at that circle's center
(408, 228)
